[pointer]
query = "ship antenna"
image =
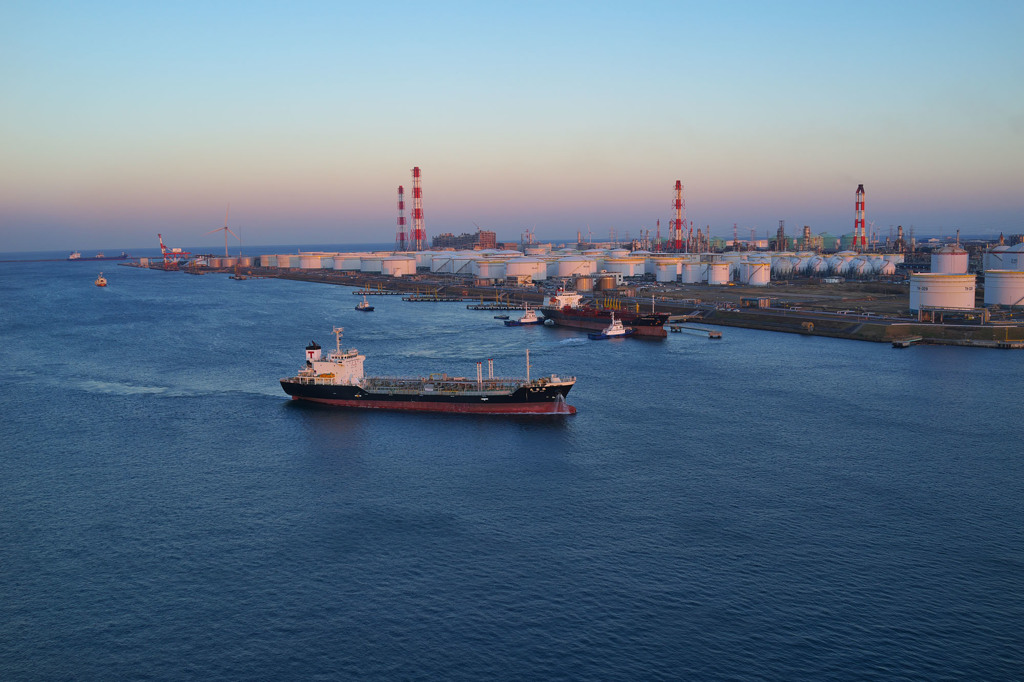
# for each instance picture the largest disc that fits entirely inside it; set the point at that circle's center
(337, 337)
(527, 365)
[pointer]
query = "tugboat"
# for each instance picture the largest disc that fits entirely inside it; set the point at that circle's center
(529, 317)
(612, 331)
(564, 308)
(364, 306)
(338, 380)
(101, 281)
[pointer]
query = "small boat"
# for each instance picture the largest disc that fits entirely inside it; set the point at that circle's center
(364, 306)
(529, 317)
(612, 331)
(101, 281)
(501, 317)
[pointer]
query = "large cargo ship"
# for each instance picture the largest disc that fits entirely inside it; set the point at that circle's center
(564, 308)
(338, 379)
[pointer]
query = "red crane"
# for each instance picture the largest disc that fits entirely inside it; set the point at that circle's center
(171, 256)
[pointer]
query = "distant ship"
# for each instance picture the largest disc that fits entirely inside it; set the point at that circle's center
(564, 308)
(101, 281)
(364, 306)
(338, 380)
(77, 255)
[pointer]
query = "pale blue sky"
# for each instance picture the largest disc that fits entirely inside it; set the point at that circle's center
(123, 119)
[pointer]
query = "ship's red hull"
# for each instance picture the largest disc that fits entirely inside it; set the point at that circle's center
(651, 324)
(559, 407)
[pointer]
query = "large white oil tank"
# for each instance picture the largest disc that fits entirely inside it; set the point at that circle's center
(755, 273)
(398, 266)
(462, 262)
(665, 271)
(718, 273)
(489, 268)
(371, 263)
(570, 266)
(1004, 287)
(228, 262)
(941, 290)
(268, 261)
(443, 262)
(618, 253)
(347, 261)
(995, 258)
(691, 273)
(1014, 257)
(950, 260)
(522, 266)
(627, 266)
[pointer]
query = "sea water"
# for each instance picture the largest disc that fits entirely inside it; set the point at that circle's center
(766, 506)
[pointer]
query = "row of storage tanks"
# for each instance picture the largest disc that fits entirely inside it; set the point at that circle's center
(714, 269)
(950, 286)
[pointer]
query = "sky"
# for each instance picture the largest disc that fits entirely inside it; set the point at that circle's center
(120, 120)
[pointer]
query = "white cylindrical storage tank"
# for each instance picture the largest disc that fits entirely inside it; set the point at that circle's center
(213, 262)
(941, 290)
(489, 269)
(1013, 258)
(1004, 287)
(287, 260)
(570, 266)
(443, 262)
(245, 261)
(618, 253)
(755, 273)
(309, 261)
(424, 259)
(462, 262)
(536, 250)
(691, 273)
(950, 260)
(524, 266)
(370, 263)
(228, 262)
(398, 266)
(665, 271)
(718, 273)
(268, 261)
(995, 259)
(348, 261)
(627, 267)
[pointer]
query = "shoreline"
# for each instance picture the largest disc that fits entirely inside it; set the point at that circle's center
(861, 325)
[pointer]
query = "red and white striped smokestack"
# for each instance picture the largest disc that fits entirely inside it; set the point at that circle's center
(401, 218)
(677, 227)
(860, 241)
(418, 234)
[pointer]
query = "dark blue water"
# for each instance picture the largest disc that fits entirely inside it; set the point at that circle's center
(767, 506)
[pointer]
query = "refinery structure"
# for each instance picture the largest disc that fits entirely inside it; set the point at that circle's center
(935, 283)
